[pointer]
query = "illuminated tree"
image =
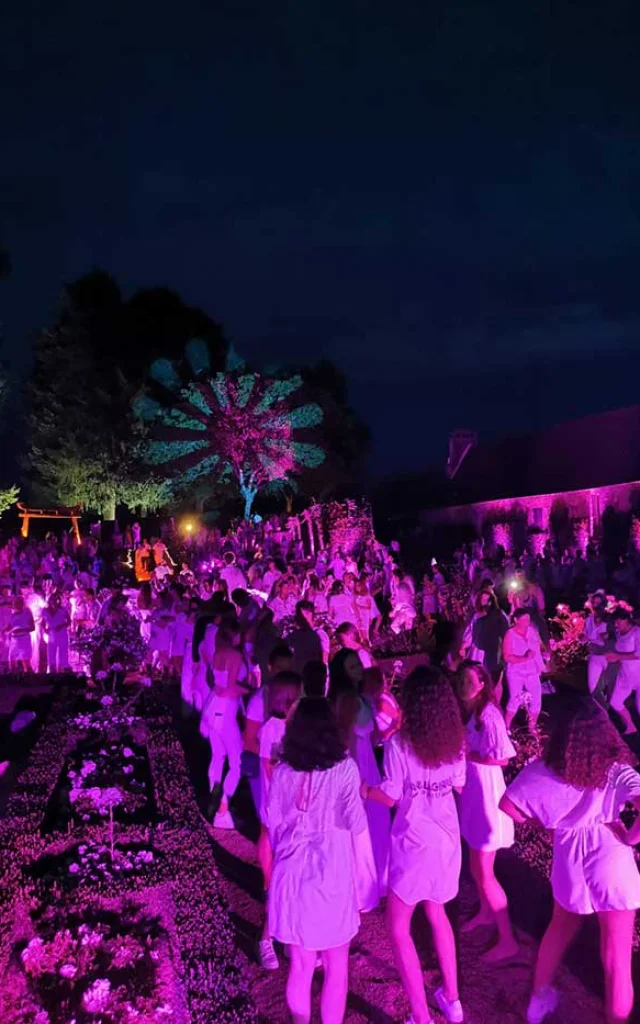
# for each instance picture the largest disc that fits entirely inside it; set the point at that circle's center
(234, 425)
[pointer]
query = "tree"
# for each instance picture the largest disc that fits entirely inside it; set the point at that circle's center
(84, 440)
(235, 425)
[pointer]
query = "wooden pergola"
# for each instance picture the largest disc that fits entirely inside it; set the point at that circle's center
(27, 514)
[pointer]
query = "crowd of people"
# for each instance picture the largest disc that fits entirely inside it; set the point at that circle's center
(365, 790)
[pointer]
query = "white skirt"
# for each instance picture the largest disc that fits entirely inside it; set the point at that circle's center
(482, 824)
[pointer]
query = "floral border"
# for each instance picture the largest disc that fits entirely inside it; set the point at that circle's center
(206, 957)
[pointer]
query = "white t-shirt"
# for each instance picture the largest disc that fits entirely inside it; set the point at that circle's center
(592, 870)
(425, 835)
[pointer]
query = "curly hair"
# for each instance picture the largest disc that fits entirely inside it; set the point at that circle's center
(312, 739)
(431, 720)
(584, 745)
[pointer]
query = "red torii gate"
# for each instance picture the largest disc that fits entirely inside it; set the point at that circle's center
(27, 514)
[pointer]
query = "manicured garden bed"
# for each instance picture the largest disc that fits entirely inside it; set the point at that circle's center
(86, 843)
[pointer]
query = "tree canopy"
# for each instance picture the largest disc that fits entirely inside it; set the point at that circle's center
(84, 439)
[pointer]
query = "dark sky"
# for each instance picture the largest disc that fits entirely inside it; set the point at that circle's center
(444, 197)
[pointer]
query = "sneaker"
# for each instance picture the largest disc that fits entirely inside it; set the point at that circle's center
(267, 955)
(452, 1010)
(541, 1005)
(224, 820)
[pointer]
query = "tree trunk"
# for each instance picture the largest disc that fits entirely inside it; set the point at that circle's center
(248, 494)
(109, 510)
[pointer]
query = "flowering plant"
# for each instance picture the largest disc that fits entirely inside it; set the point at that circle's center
(100, 965)
(568, 644)
(119, 644)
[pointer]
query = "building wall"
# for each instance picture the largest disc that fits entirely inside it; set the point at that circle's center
(538, 511)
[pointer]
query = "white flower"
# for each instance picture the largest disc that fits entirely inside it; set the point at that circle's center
(32, 951)
(68, 971)
(101, 676)
(88, 767)
(96, 998)
(145, 681)
(128, 769)
(82, 849)
(106, 701)
(128, 752)
(116, 667)
(74, 868)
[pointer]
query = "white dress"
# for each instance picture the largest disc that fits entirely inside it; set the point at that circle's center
(425, 835)
(482, 824)
(313, 818)
(592, 870)
(378, 816)
(270, 739)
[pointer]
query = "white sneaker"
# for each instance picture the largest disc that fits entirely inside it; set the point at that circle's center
(224, 820)
(451, 1010)
(541, 1005)
(267, 955)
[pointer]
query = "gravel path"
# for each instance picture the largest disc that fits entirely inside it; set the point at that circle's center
(489, 994)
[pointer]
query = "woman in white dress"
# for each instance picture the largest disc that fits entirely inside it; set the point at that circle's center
(356, 721)
(578, 790)
(314, 812)
(20, 629)
(483, 825)
(230, 680)
(423, 764)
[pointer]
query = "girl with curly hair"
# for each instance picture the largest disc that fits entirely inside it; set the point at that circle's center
(485, 828)
(423, 764)
(578, 790)
(314, 811)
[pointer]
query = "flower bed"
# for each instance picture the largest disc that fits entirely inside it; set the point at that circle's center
(97, 965)
(103, 777)
(178, 883)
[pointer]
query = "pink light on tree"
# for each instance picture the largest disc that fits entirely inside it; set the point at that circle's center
(236, 425)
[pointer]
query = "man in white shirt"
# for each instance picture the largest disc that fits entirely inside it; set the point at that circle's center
(627, 655)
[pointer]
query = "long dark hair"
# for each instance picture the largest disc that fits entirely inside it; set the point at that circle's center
(487, 695)
(339, 681)
(311, 740)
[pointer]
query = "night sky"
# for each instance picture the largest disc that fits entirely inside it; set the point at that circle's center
(444, 198)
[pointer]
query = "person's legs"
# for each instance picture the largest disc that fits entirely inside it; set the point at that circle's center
(265, 860)
(596, 666)
(63, 652)
(301, 968)
(618, 698)
(616, 934)
(562, 930)
(493, 904)
(484, 915)
(534, 690)
(445, 943)
(218, 751)
(333, 1001)
(514, 691)
(52, 650)
(399, 916)
(233, 745)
